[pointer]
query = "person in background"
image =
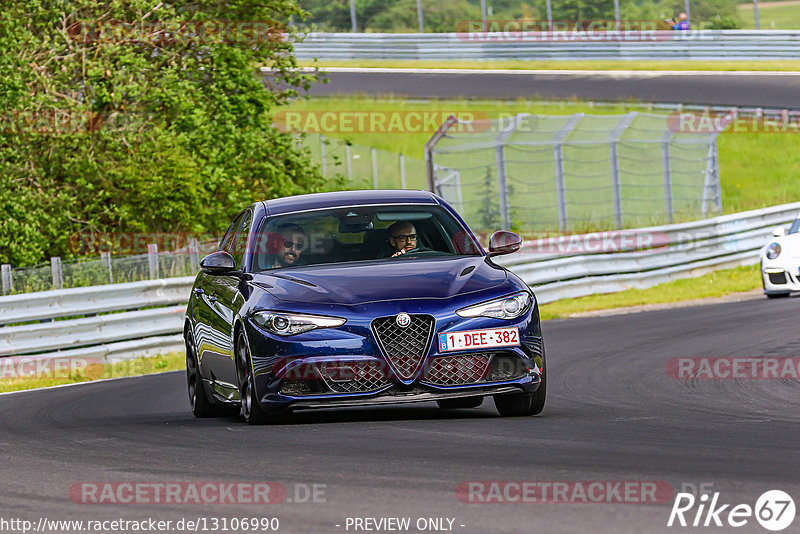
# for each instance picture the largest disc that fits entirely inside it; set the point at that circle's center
(682, 23)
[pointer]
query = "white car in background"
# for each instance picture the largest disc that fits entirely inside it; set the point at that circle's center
(780, 262)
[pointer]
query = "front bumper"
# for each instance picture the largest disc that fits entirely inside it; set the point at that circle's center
(320, 368)
(780, 277)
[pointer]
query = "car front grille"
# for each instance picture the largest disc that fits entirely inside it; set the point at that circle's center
(457, 370)
(354, 377)
(404, 348)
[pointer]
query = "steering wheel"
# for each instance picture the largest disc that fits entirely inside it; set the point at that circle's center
(420, 251)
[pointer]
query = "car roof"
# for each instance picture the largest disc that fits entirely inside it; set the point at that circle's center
(339, 199)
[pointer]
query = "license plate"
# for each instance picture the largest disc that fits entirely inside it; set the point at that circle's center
(479, 339)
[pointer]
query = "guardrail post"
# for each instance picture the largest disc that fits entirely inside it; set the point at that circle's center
(55, 270)
(402, 172)
(374, 168)
(106, 256)
(152, 260)
(8, 281)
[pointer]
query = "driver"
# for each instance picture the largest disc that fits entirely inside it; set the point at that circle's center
(402, 237)
(289, 246)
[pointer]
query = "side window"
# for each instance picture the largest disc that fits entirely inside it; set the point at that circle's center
(227, 241)
(240, 243)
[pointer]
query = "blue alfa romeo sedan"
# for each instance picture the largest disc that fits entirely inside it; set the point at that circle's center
(359, 298)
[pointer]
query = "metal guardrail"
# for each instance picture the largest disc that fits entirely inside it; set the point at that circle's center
(94, 299)
(677, 251)
(705, 45)
(673, 251)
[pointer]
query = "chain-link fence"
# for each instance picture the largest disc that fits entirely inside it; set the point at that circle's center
(106, 269)
(365, 167)
(575, 172)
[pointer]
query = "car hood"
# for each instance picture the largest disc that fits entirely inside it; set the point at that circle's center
(363, 282)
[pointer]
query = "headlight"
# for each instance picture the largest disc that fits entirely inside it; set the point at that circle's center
(773, 251)
(289, 324)
(510, 307)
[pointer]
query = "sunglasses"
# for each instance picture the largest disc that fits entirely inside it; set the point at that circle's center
(299, 245)
(406, 237)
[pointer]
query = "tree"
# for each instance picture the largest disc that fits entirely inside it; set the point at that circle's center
(137, 116)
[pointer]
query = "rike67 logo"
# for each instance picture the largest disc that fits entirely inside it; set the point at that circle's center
(774, 510)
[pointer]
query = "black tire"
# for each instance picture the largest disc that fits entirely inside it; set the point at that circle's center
(457, 404)
(514, 405)
(777, 295)
(523, 403)
(538, 400)
(251, 411)
(198, 400)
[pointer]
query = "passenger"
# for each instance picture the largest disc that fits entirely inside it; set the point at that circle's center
(289, 247)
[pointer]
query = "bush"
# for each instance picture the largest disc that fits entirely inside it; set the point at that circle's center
(160, 131)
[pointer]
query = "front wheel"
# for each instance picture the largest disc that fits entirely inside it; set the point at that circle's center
(513, 405)
(201, 406)
(777, 295)
(523, 403)
(251, 411)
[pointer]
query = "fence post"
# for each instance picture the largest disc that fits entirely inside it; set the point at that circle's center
(107, 257)
(558, 157)
(152, 260)
(55, 270)
(419, 15)
(717, 181)
(322, 153)
(8, 281)
(353, 25)
(402, 172)
(194, 253)
(666, 167)
(374, 168)
(502, 187)
(349, 162)
(711, 187)
(619, 129)
(430, 144)
(500, 158)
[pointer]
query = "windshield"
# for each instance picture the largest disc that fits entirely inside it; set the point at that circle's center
(389, 233)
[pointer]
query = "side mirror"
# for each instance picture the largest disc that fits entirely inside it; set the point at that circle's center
(504, 242)
(779, 231)
(219, 262)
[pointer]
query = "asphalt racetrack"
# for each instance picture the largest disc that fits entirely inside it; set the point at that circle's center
(613, 414)
(776, 90)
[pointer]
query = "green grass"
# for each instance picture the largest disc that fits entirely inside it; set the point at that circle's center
(757, 170)
(95, 371)
(716, 284)
(724, 64)
(772, 16)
